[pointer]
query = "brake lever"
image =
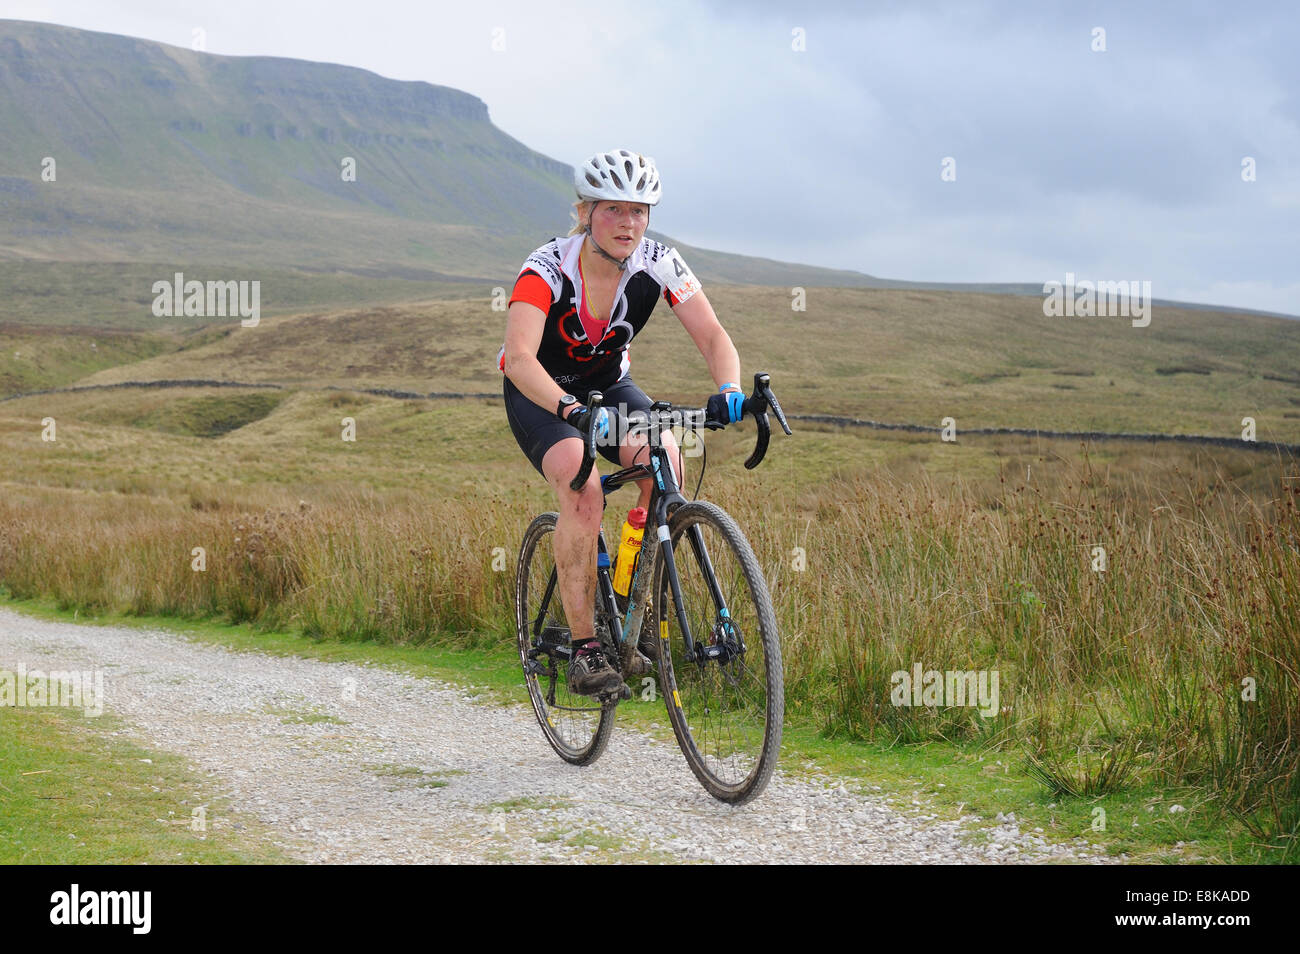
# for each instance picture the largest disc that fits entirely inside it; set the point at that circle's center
(776, 407)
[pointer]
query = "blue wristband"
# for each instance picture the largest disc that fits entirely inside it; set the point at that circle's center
(723, 387)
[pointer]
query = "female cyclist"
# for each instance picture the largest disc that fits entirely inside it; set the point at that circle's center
(577, 303)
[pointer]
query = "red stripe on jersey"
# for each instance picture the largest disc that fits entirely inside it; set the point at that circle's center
(532, 289)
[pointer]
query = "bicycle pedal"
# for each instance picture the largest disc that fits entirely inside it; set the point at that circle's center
(622, 692)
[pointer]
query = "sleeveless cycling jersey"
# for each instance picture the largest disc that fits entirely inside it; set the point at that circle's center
(576, 348)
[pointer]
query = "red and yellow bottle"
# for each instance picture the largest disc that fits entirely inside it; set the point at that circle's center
(629, 550)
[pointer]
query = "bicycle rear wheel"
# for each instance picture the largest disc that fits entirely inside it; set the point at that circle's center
(725, 696)
(578, 727)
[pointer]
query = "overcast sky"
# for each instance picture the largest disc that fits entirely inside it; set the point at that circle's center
(1122, 164)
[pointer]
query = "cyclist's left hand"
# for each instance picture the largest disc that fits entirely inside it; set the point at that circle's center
(726, 407)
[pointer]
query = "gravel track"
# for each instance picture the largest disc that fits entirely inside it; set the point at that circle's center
(353, 763)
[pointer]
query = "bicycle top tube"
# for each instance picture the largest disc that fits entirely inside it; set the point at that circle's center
(659, 469)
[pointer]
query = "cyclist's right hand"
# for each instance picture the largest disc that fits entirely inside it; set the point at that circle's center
(579, 417)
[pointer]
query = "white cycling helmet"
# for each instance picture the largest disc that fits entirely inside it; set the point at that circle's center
(618, 175)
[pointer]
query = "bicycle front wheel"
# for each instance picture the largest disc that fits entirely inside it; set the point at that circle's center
(724, 691)
(578, 727)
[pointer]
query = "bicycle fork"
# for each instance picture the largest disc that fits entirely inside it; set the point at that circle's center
(636, 609)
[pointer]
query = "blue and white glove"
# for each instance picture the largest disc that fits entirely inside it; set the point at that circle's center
(579, 417)
(727, 406)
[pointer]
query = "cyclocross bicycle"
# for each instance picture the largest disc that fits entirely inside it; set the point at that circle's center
(719, 653)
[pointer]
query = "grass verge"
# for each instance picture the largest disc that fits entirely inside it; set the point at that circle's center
(72, 791)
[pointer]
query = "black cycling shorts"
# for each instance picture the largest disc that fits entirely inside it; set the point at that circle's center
(538, 430)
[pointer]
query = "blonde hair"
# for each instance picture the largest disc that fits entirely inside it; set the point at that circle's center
(581, 212)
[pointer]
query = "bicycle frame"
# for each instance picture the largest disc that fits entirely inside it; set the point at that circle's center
(665, 497)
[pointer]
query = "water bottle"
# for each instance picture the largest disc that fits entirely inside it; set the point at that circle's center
(629, 550)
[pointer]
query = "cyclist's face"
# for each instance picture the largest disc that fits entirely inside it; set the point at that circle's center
(619, 226)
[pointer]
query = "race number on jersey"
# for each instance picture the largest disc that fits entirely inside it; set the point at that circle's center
(675, 276)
